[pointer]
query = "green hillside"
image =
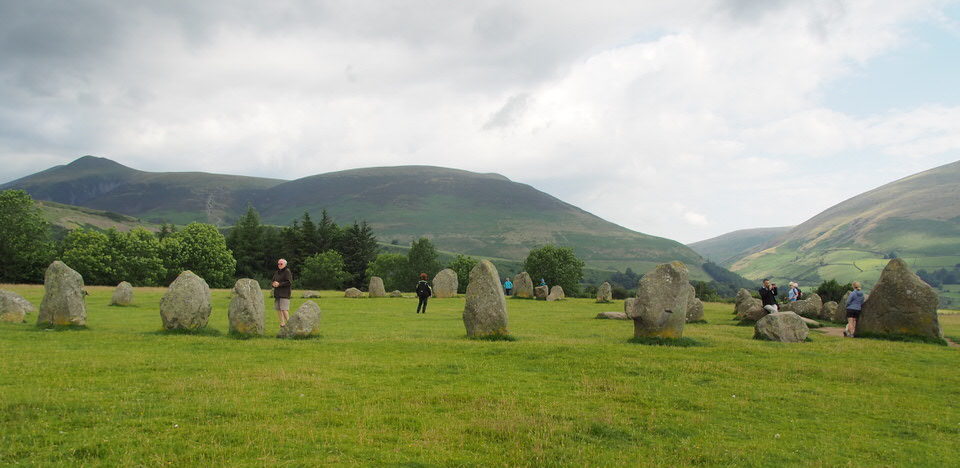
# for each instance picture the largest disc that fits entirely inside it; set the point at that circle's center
(726, 249)
(67, 217)
(477, 214)
(916, 218)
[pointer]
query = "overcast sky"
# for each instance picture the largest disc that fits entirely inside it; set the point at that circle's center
(684, 119)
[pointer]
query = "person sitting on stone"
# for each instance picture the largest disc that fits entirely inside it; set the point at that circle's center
(507, 286)
(543, 282)
(853, 306)
(794, 293)
(423, 293)
(768, 295)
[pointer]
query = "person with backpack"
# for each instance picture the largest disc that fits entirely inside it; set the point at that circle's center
(507, 286)
(853, 305)
(794, 293)
(423, 293)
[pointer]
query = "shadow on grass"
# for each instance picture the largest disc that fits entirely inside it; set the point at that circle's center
(657, 341)
(493, 337)
(299, 338)
(696, 321)
(745, 323)
(206, 331)
(904, 338)
(51, 327)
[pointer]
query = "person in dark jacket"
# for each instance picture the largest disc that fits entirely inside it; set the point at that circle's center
(853, 306)
(282, 282)
(768, 295)
(423, 293)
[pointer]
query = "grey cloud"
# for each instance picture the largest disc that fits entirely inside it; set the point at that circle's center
(509, 113)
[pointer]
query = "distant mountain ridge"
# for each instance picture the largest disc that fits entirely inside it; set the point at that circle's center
(461, 211)
(726, 249)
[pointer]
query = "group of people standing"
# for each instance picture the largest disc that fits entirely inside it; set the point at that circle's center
(854, 302)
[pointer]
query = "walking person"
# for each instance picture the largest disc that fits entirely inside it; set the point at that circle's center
(768, 295)
(423, 293)
(794, 293)
(853, 305)
(507, 286)
(282, 283)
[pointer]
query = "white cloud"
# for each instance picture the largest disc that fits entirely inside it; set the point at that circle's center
(627, 109)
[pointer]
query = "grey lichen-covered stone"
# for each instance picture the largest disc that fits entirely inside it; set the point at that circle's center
(661, 306)
(605, 293)
(786, 327)
(445, 284)
(612, 316)
(841, 313)
(694, 306)
(742, 296)
(809, 307)
(556, 294)
(353, 293)
(747, 307)
(811, 323)
(376, 288)
(628, 304)
(304, 323)
(396, 293)
(900, 304)
(246, 308)
(13, 307)
(485, 312)
(523, 286)
(186, 304)
(310, 295)
(63, 297)
(122, 295)
(541, 293)
(828, 311)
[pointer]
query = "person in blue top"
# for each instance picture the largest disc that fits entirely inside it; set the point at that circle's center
(507, 286)
(793, 294)
(543, 282)
(853, 305)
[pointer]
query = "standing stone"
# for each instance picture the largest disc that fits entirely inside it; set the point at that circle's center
(605, 293)
(742, 296)
(747, 307)
(612, 316)
(376, 288)
(352, 293)
(694, 306)
(485, 312)
(809, 307)
(556, 294)
(304, 322)
(523, 286)
(541, 293)
(63, 293)
(445, 284)
(13, 307)
(661, 306)
(628, 304)
(122, 295)
(828, 311)
(786, 327)
(840, 315)
(900, 304)
(246, 308)
(396, 293)
(186, 304)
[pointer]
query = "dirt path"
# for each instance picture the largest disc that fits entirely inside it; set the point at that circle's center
(838, 332)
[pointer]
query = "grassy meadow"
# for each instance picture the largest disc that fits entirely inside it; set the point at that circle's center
(382, 386)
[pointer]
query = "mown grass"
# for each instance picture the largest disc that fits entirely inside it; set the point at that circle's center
(382, 385)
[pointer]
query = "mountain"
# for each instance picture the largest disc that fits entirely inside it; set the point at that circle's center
(916, 218)
(460, 211)
(67, 217)
(726, 249)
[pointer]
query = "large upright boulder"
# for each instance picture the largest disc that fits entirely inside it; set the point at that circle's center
(900, 304)
(840, 315)
(62, 303)
(540, 293)
(747, 307)
(523, 286)
(628, 304)
(485, 312)
(786, 327)
(694, 306)
(246, 308)
(13, 307)
(742, 296)
(445, 284)
(556, 293)
(122, 295)
(304, 322)
(186, 304)
(376, 288)
(605, 293)
(809, 307)
(661, 306)
(353, 293)
(828, 311)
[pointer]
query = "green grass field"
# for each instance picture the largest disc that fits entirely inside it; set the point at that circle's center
(383, 386)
